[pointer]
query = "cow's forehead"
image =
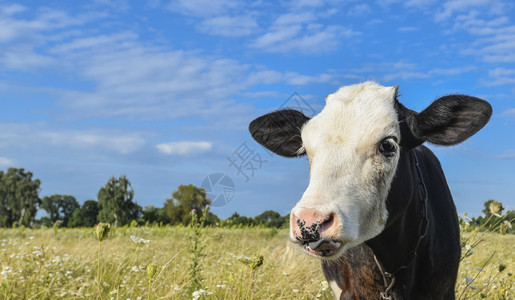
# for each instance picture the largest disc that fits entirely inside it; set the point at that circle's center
(358, 115)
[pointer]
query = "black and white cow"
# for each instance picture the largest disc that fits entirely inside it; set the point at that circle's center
(377, 210)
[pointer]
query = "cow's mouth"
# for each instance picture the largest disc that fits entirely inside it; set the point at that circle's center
(325, 247)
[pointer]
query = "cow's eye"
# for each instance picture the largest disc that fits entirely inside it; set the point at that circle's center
(388, 146)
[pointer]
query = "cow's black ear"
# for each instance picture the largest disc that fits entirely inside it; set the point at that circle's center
(450, 120)
(279, 131)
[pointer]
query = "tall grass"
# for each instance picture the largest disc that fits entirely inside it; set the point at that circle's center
(37, 264)
(486, 268)
(41, 264)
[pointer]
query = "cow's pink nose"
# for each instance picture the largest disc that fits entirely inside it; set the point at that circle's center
(316, 231)
(310, 225)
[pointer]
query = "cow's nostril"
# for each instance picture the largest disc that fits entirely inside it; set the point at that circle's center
(327, 223)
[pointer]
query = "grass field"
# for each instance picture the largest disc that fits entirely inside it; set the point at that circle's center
(62, 263)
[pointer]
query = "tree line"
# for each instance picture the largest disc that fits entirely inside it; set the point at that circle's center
(20, 203)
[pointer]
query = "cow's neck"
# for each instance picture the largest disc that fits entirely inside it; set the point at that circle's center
(395, 247)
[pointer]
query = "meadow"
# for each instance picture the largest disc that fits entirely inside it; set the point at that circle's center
(60, 263)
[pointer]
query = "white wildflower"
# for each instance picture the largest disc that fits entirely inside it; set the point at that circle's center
(139, 240)
(135, 269)
(197, 294)
(469, 280)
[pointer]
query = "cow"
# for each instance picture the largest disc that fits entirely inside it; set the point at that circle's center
(377, 210)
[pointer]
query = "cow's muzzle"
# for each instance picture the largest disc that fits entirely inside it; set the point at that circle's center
(316, 231)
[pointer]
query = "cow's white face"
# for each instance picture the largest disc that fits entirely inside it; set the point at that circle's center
(353, 153)
(353, 150)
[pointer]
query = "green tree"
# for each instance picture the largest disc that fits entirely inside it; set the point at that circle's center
(89, 213)
(51, 207)
(236, 220)
(76, 219)
(185, 199)
(270, 218)
(150, 214)
(115, 200)
(19, 197)
(60, 207)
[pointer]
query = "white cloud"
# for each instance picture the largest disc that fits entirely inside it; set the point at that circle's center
(455, 6)
(229, 26)
(14, 135)
(498, 72)
(298, 29)
(493, 38)
(203, 8)
(122, 5)
(408, 3)
(265, 77)
(405, 71)
(508, 112)
(123, 143)
(129, 79)
(499, 76)
(293, 78)
(5, 162)
(312, 38)
(94, 42)
(295, 18)
(24, 58)
(405, 75)
(297, 79)
(360, 9)
(142, 83)
(302, 4)
(419, 3)
(11, 9)
(451, 71)
(508, 154)
(184, 147)
(407, 29)
(46, 19)
(22, 39)
(498, 81)
(277, 37)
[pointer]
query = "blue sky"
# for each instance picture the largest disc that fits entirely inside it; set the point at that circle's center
(163, 91)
